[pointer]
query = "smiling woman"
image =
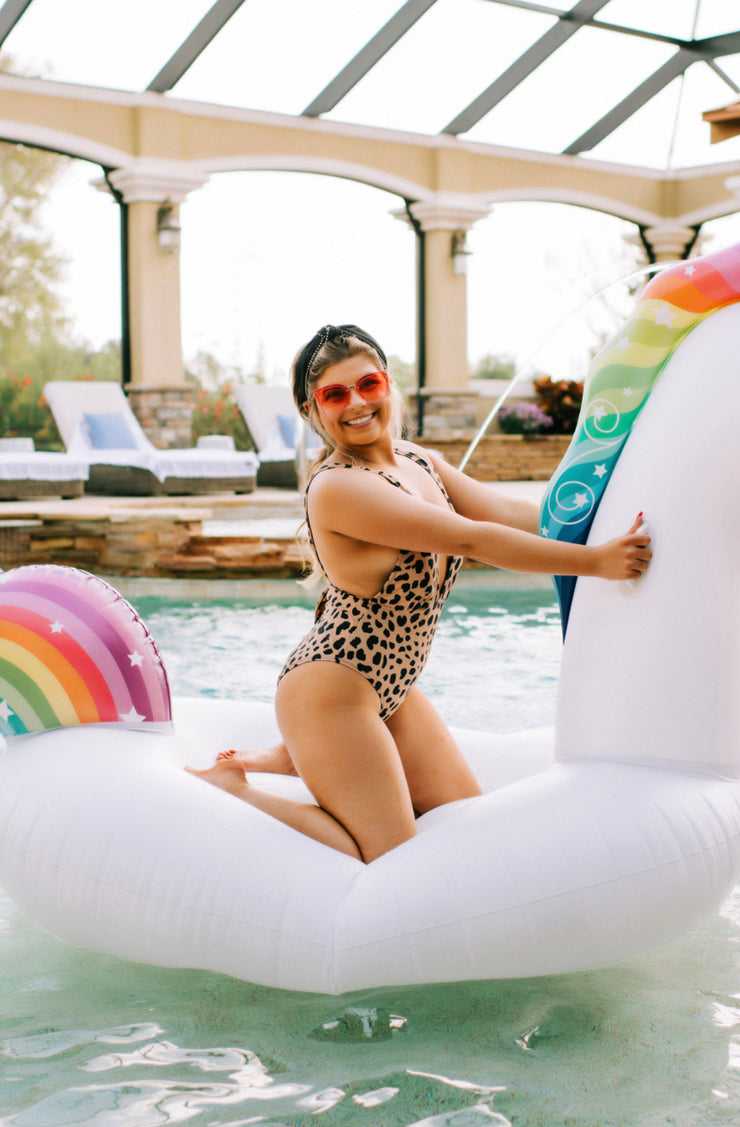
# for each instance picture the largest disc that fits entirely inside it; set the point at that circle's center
(389, 526)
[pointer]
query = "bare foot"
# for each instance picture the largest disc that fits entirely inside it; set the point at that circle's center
(229, 776)
(273, 760)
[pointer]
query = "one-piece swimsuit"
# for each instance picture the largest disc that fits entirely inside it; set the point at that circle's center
(386, 637)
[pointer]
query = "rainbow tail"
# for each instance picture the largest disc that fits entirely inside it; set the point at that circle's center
(619, 383)
(73, 651)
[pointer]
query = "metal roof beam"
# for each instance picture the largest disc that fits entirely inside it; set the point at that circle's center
(723, 75)
(568, 24)
(10, 13)
(700, 50)
(189, 50)
(632, 103)
(368, 56)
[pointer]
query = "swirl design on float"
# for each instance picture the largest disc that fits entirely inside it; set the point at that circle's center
(572, 497)
(73, 651)
(620, 381)
(604, 419)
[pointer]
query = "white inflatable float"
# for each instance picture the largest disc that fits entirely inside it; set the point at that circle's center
(615, 834)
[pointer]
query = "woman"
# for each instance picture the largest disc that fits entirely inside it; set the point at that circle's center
(389, 524)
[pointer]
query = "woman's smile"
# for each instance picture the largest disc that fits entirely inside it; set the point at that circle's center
(360, 420)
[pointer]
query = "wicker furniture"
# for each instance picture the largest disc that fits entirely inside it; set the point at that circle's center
(97, 425)
(26, 474)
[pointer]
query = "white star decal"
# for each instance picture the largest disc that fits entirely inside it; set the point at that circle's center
(598, 413)
(580, 499)
(5, 710)
(131, 717)
(664, 315)
(627, 392)
(690, 271)
(623, 343)
(56, 628)
(544, 532)
(135, 658)
(600, 470)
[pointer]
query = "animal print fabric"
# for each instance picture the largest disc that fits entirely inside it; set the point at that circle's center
(385, 638)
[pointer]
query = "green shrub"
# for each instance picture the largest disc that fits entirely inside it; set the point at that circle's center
(216, 412)
(24, 413)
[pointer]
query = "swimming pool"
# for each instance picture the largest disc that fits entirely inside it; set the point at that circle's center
(87, 1039)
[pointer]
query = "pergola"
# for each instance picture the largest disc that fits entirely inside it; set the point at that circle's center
(155, 147)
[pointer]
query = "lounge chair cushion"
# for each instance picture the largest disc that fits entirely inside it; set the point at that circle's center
(287, 425)
(110, 431)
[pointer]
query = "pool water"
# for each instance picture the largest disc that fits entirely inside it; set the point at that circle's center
(89, 1041)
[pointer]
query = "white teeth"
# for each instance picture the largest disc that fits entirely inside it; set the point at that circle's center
(358, 422)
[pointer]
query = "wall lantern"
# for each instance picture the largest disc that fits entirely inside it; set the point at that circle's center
(168, 228)
(460, 252)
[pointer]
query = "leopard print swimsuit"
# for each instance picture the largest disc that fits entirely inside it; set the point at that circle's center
(386, 637)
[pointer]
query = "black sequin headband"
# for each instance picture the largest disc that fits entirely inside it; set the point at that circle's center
(332, 332)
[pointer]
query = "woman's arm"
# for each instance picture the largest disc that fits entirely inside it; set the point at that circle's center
(473, 499)
(365, 508)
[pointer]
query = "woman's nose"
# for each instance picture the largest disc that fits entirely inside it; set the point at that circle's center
(354, 396)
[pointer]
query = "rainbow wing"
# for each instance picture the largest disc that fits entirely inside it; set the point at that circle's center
(619, 383)
(73, 651)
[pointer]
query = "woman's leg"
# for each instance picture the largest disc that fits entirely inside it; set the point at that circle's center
(435, 768)
(328, 716)
(308, 819)
(329, 719)
(274, 760)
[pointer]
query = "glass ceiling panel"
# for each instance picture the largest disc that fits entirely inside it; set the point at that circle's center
(279, 54)
(702, 91)
(570, 91)
(730, 64)
(670, 129)
(717, 17)
(445, 61)
(645, 138)
(98, 44)
(662, 17)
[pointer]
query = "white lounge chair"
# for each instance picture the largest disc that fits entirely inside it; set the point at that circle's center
(98, 426)
(284, 443)
(27, 473)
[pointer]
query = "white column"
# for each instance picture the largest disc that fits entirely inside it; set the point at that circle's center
(445, 219)
(668, 241)
(154, 270)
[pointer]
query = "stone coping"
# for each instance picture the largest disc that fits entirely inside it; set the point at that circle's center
(165, 542)
(217, 590)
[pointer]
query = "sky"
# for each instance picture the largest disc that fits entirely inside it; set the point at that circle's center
(267, 258)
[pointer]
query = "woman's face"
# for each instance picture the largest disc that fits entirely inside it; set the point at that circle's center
(360, 422)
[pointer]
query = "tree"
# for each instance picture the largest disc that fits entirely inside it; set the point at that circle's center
(492, 367)
(30, 308)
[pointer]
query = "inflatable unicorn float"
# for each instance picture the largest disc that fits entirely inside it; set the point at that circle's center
(613, 834)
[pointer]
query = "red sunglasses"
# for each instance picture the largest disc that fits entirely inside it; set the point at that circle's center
(372, 388)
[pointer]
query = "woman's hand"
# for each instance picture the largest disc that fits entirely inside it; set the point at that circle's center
(625, 557)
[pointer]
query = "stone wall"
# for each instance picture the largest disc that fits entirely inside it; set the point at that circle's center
(165, 414)
(443, 410)
(165, 543)
(503, 457)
